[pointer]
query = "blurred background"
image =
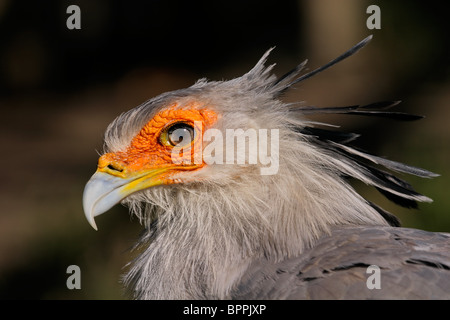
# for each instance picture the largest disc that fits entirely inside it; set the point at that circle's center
(60, 88)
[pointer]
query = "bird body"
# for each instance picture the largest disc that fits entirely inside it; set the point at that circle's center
(413, 264)
(219, 230)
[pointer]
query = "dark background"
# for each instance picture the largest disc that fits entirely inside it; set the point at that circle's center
(60, 88)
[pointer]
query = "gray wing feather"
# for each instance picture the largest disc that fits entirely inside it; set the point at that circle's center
(414, 264)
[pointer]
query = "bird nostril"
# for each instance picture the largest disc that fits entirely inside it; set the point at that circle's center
(110, 166)
(107, 163)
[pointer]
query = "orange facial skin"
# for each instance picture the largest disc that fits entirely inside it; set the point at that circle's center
(146, 152)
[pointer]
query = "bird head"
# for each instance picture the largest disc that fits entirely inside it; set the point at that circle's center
(191, 136)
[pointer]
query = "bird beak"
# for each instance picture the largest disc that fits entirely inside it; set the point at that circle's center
(105, 190)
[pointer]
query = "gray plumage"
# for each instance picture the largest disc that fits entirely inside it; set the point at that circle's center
(414, 264)
(223, 231)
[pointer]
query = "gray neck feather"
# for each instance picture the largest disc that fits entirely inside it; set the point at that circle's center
(201, 237)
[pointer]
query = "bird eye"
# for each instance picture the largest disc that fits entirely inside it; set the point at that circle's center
(179, 134)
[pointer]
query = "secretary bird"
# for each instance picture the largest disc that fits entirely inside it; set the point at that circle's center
(274, 218)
